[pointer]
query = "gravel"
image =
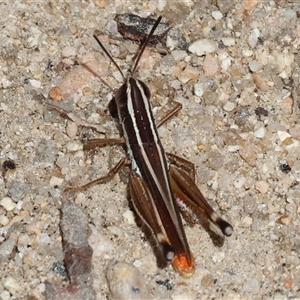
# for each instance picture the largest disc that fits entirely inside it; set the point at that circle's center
(233, 65)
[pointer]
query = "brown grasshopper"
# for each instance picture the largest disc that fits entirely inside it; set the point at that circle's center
(158, 183)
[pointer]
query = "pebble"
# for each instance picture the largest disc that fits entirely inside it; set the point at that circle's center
(202, 47)
(69, 51)
(218, 257)
(239, 183)
(198, 89)
(11, 284)
(73, 146)
(129, 217)
(188, 74)
(253, 37)
(7, 204)
(6, 249)
(247, 221)
(126, 281)
(262, 186)
(285, 220)
(255, 66)
(35, 83)
(283, 135)
(228, 41)
(217, 15)
(229, 106)
(179, 55)
(210, 66)
(260, 132)
(251, 286)
(71, 129)
(55, 93)
(56, 181)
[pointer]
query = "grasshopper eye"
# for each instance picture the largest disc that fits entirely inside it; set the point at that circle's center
(145, 89)
(121, 96)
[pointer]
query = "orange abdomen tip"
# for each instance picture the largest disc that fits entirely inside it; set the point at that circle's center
(184, 264)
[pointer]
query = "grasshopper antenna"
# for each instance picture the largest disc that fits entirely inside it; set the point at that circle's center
(145, 44)
(109, 55)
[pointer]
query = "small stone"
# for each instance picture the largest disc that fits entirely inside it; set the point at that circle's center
(285, 220)
(71, 129)
(255, 66)
(202, 47)
(188, 74)
(179, 55)
(5, 295)
(251, 286)
(260, 81)
(7, 204)
(12, 285)
(129, 217)
(253, 37)
(228, 41)
(126, 281)
(69, 51)
(260, 132)
(207, 281)
(229, 106)
(233, 148)
(198, 89)
(247, 221)
(283, 135)
(239, 183)
(35, 83)
(100, 3)
(56, 181)
(72, 146)
(6, 248)
(262, 186)
(218, 257)
(4, 220)
(287, 105)
(210, 66)
(217, 15)
(55, 93)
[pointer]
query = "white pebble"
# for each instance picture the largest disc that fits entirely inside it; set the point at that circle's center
(179, 55)
(260, 132)
(126, 282)
(247, 221)
(217, 15)
(247, 52)
(69, 51)
(35, 83)
(253, 37)
(233, 148)
(218, 257)
(238, 183)
(7, 204)
(5, 295)
(228, 41)
(282, 135)
(229, 106)
(71, 129)
(4, 220)
(129, 217)
(198, 89)
(12, 285)
(202, 47)
(225, 63)
(72, 146)
(56, 181)
(251, 286)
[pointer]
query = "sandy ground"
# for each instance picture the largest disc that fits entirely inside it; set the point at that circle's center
(239, 125)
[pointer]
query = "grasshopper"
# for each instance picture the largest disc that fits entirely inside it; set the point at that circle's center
(159, 186)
